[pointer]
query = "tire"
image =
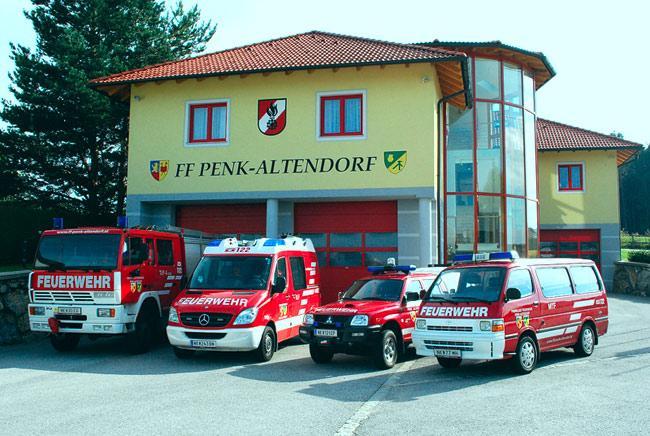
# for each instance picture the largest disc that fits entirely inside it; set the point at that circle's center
(525, 359)
(320, 354)
(143, 336)
(449, 363)
(265, 350)
(586, 342)
(182, 353)
(386, 353)
(64, 342)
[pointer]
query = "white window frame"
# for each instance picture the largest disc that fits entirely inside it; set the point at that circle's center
(364, 116)
(186, 130)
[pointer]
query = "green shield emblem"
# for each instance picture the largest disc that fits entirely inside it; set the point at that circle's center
(395, 161)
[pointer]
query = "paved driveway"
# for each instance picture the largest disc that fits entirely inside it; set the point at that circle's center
(100, 389)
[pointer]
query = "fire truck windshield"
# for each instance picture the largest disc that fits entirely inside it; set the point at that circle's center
(468, 284)
(78, 251)
(374, 289)
(232, 273)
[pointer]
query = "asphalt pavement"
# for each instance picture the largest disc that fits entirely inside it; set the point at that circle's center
(101, 389)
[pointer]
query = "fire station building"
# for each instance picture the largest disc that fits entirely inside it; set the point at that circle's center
(372, 149)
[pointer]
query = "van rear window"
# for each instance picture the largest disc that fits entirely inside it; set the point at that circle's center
(585, 279)
(555, 282)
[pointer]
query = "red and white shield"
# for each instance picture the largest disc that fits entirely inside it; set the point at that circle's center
(272, 115)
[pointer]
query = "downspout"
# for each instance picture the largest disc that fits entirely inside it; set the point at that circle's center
(468, 103)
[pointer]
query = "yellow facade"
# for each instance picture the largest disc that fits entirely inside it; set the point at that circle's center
(400, 115)
(597, 204)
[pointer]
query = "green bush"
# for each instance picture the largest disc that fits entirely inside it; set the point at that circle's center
(639, 256)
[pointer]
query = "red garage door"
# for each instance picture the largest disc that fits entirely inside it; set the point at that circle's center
(349, 237)
(584, 244)
(244, 221)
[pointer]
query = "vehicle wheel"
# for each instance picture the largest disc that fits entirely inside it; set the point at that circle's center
(449, 363)
(182, 353)
(320, 354)
(141, 338)
(525, 359)
(585, 345)
(386, 352)
(65, 341)
(265, 350)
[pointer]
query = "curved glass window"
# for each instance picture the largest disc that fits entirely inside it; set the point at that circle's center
(488, 146)
(491, 164)
(514, 121)
(488, 83)
(460, 152)
(512, 92)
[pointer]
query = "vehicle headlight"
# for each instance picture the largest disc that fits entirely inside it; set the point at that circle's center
(173, 315)
(308, 319)
(246, 316)
(421, 324)
(359, 320)
(486, 326)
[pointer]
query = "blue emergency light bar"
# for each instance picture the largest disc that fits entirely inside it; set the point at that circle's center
(57, 223)
(482, 257)
(215, 243)
(122, 221)
(391, 268)
(273, 242)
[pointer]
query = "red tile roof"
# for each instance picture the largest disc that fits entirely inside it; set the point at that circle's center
(552, 135)
(298, 52)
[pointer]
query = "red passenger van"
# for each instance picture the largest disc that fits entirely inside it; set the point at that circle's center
(500, 307)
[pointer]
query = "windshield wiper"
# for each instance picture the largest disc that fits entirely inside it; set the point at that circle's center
(482, 300)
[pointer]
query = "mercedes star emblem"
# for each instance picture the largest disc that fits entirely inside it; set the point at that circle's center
(204, 319)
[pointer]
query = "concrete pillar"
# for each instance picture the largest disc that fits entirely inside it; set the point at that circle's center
(272, 206)
(425, 231)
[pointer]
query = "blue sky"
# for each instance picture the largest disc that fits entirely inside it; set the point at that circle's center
(598, 48)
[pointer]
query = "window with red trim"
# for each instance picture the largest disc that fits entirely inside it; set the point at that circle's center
(570, 177)
(208, 122)
(341, 115)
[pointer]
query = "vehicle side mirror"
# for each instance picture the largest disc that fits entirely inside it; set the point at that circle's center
(183, 283)
(340, 295)
(413, 296)
(513, 294)
(135, 272)
(423, 293)
(279, 285)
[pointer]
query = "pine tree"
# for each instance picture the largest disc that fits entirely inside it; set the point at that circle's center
(65, 144)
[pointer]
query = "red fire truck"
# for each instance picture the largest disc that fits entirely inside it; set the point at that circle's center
(107, 281)
(246, 296)
(375, 316)
(497, 306)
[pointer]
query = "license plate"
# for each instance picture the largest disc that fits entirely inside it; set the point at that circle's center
(325, 333)
(447, 353)
(204, 343)
(68, 310)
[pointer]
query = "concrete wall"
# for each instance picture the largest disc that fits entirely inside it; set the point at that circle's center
(417, 232)
(14, 320)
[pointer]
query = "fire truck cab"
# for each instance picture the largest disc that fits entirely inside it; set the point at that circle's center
(107, 281)
(246, 296)
(498, 306)
(375, 316)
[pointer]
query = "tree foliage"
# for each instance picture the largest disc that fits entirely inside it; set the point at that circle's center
(635, 193)
(65, 144)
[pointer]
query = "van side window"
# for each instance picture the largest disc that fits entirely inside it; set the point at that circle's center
(298, 273)
(521, 280)
(585, 279)
(164, 252)
(427, 283)
(281, 269)
(555, 282)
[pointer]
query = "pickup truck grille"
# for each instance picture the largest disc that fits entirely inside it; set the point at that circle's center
(62, 297)
(449, 328)
(331, 320)
(214, 319)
